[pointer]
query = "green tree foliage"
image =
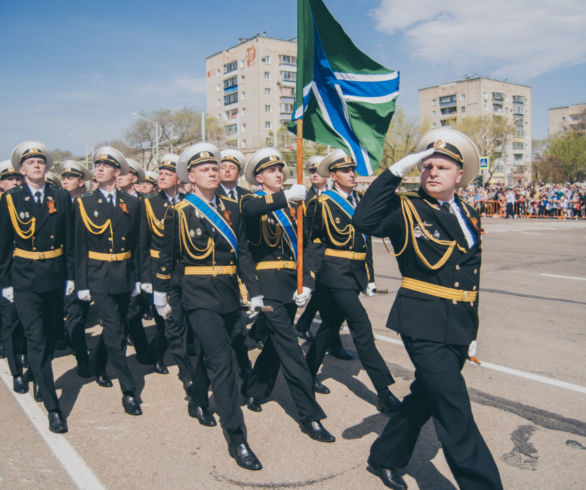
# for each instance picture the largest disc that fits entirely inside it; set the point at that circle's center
(403, 134)
(563, 160)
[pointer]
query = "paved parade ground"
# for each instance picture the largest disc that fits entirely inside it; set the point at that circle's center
(528, 396)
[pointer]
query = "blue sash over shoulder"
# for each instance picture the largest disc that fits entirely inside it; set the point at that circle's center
(286, 224)
(342, 203)
(212, 216)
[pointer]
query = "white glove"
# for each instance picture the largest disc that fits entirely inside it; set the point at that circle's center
(84, 295)
(255, 303)
(472, 349)
(8, 293)
(370, 289)
(303, 298)
(402, 167)
(146, 287)
(136, 290)
(69, 287)
(296, 192)
(160, 299)
(164, 311)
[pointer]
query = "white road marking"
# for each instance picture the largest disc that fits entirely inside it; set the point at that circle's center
(503, 369)
(575, 278)
(72, 462)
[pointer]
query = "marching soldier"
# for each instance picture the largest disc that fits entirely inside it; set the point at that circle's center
(149, 184)
(13, 339)
(345, 270)
(273, 243)
(172, 331)
(36, 265)
(139, 305)
(73, 179)
(204, 235)
(106, 236)
(336, 349)
(230, 170)
(436, 237)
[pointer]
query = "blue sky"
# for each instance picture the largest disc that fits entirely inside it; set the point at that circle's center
(80, 68)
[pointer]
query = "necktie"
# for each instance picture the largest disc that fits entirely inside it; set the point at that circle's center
(350, 199)
(213, 204)
(111, 200)
(38, 198)
(231, 194)
(446, 206)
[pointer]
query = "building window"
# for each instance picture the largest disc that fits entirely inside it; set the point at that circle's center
(230, 67)
(266, 60)
(268, 108)
(433, 114)
(462, 109)
(448, 110)
(285, 59)
(517, 145)
(287, 108)
(243, 127)
(232, 114)
(243, 96)
(498, 97)
(462, 96)
(518, 99)
(218, 87)
(231, 129)
(267, 91)
(267, 75)
(230, 84)
(432, 101)
(518, 156)
(287, 91)
(433, 124)
(243, 143)
(497, 107)
(447, 100)
(231, 98)
(268, 125)
(288, 76)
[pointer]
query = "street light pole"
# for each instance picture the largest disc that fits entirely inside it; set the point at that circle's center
(87, 163)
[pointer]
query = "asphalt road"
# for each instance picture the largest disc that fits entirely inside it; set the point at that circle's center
(528, 397)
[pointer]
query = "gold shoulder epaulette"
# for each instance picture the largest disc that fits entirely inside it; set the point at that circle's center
(226, 198)
(408, 194)
(87, 194)
(321, 198)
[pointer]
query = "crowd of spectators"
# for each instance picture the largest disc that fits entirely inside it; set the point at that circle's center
(528, 200)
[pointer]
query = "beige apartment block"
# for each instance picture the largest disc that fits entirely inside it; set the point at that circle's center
(250, 90)
(443, 104)
(565, 119)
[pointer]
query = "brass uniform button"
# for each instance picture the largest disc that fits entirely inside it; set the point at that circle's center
(110, 250)
(456, 284)
(473, 288)
(457, 267)
(475, 271)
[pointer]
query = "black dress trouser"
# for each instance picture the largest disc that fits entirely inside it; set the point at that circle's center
(12, 336)
(282, 349)
(76, 312)
(41, 315)
(439, 391)
(112, 309)
(338, 305)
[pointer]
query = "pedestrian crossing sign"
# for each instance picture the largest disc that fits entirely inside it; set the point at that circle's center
(484, 162)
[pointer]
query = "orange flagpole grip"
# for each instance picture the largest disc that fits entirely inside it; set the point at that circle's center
(300, 216)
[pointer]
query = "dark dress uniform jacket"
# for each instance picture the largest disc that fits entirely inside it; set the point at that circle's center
(94, 212)
(331, 228)
(53, 229)
(383, 213)
(194, 242)
(240, 191)
(275, 284)
(153, 211)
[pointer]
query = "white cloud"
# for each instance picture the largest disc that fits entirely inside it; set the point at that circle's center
(513, 38)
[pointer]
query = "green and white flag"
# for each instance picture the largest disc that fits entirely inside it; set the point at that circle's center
(345, 98)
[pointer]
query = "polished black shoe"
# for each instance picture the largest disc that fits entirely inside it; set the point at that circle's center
(387, 402)
(319, 387)
(245, 457)
(37, 392)
(253, 404)
(343, 354)
(203, 415)
(83, 371)
(161, 368)
(391, 478)
(20, 384)
(317, 431)
(57, 422)
(131, 405)
(104, 381)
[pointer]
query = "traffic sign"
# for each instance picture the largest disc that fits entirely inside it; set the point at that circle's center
(484, 162)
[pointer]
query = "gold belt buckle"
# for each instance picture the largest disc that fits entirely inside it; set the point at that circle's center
(219, 270)
(42, 256)
(466, 296)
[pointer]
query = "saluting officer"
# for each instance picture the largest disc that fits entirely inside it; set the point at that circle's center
(74, 176)
(13, 339)
(36, 264)
(204, 236)
(273, 241)
(346, 269)
(106, 237)
(436, 237)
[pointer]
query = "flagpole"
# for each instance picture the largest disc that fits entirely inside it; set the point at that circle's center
(300, 216)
